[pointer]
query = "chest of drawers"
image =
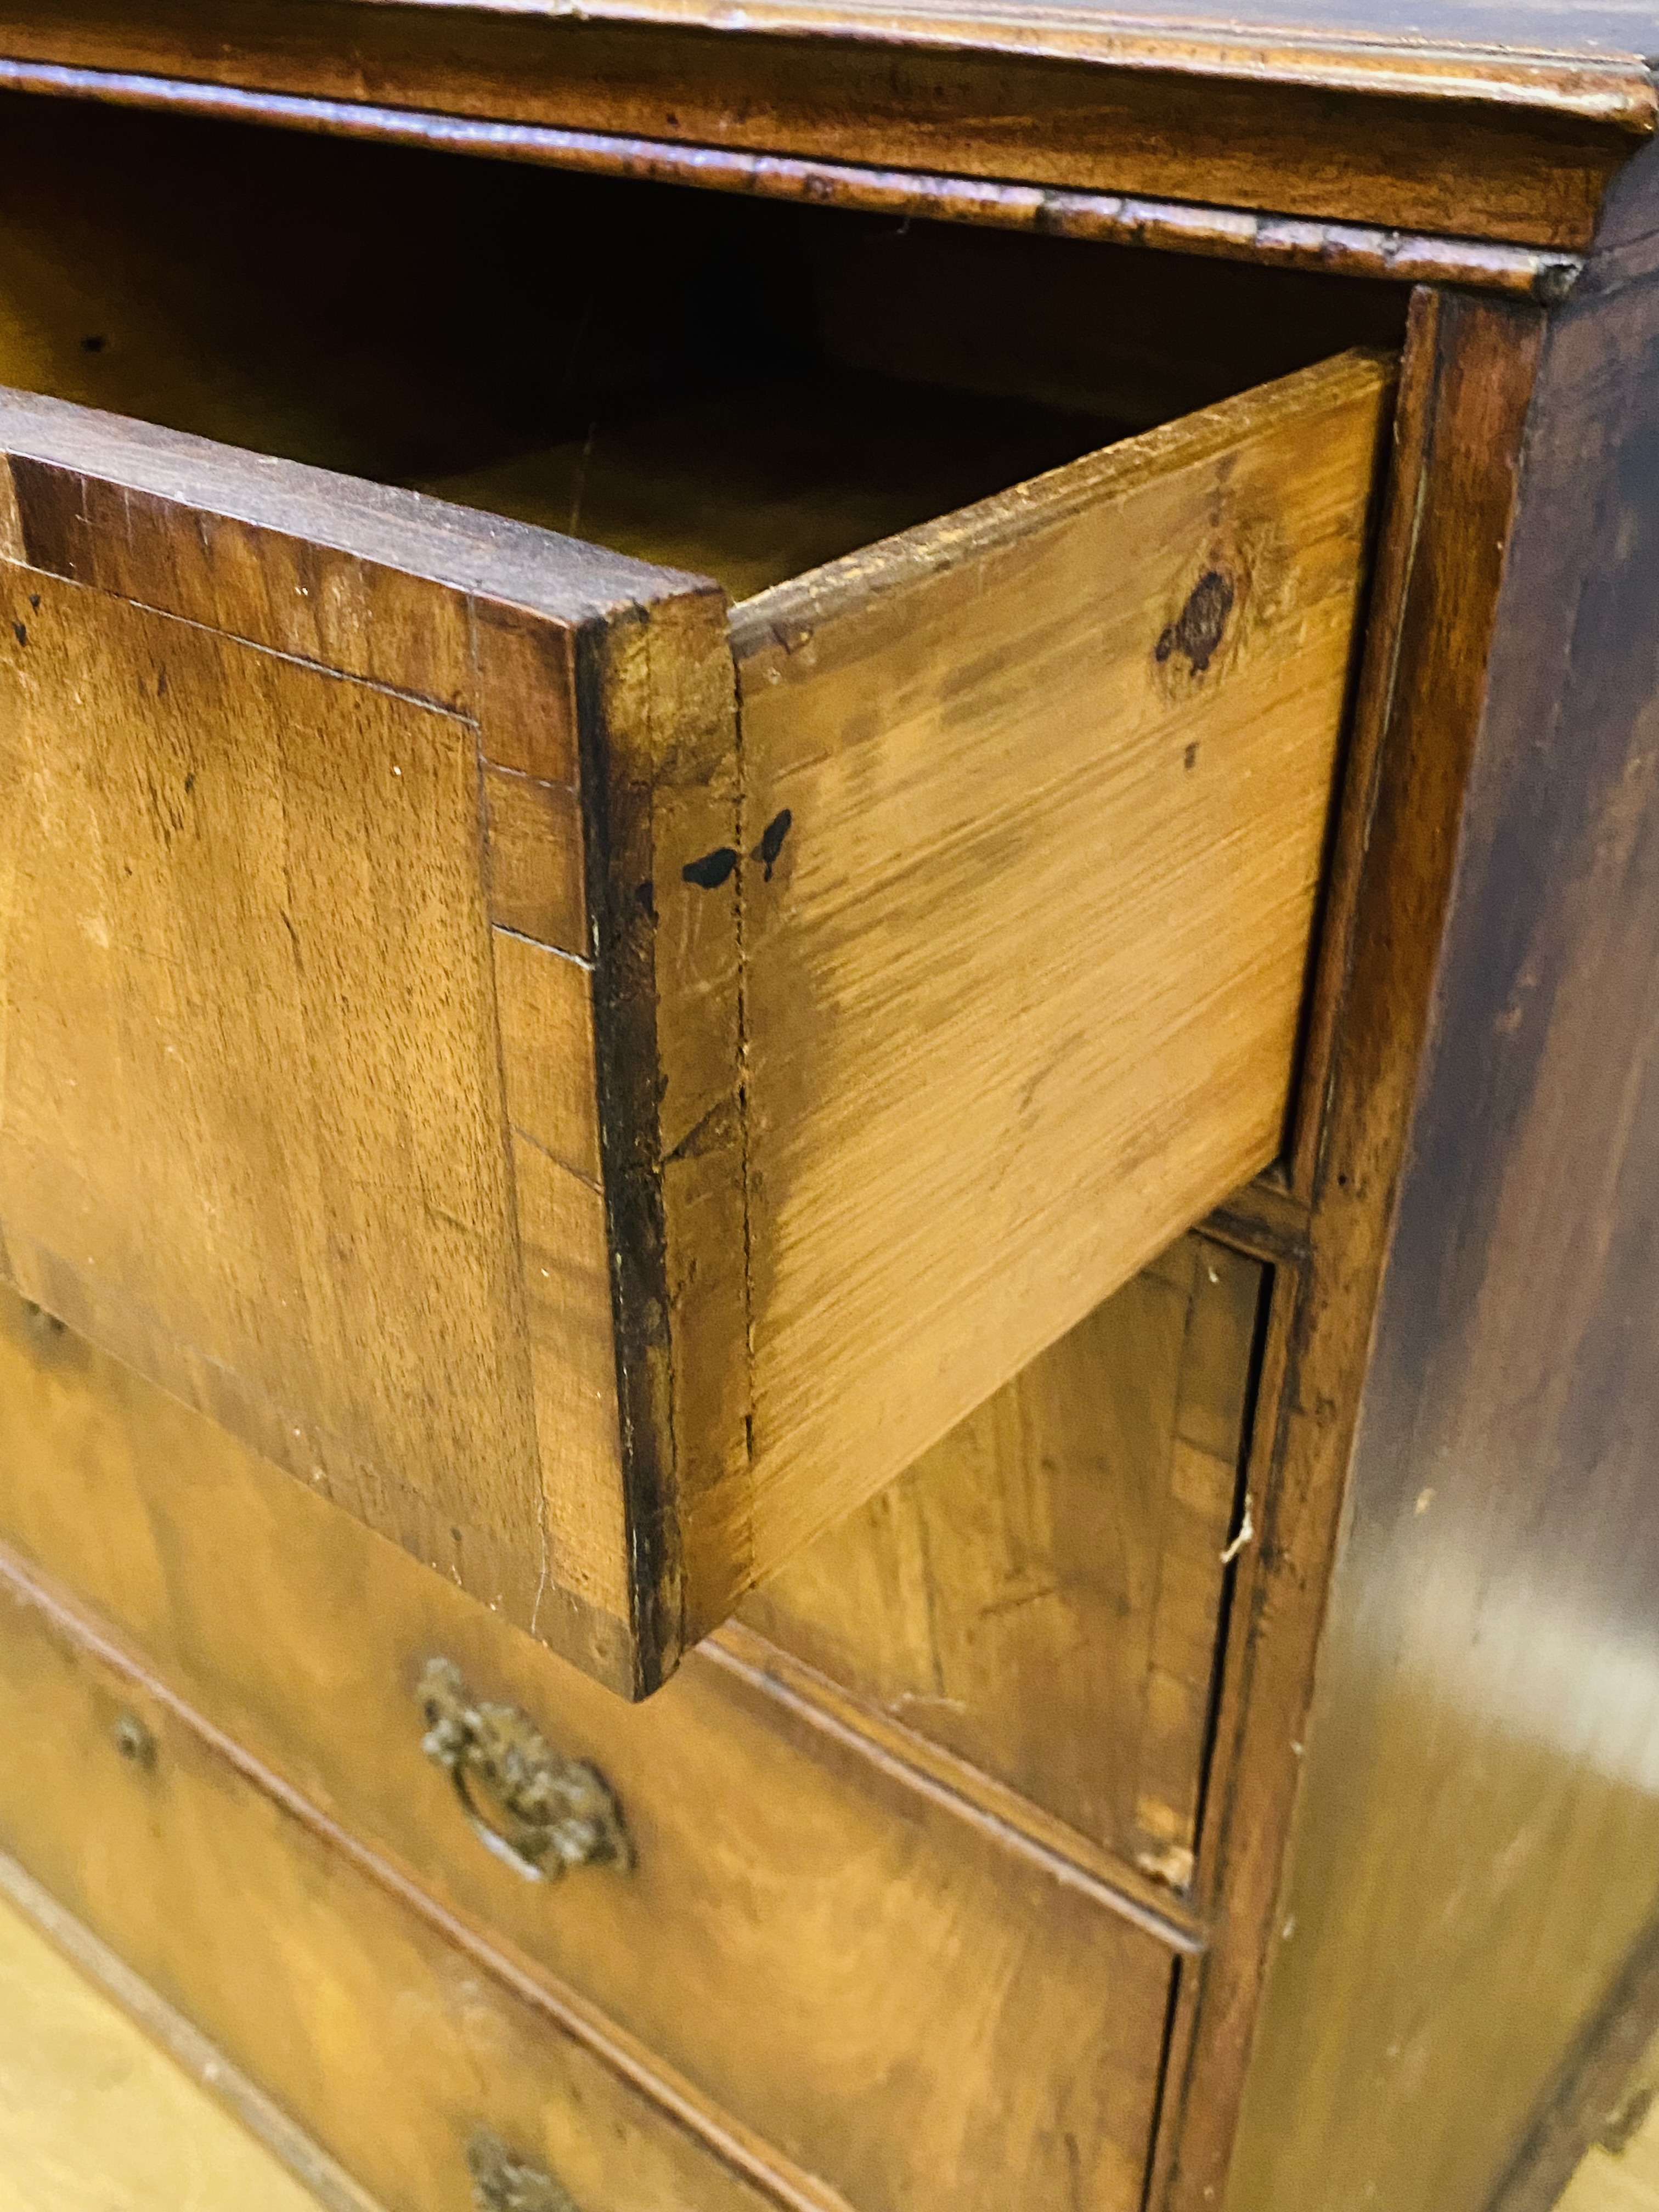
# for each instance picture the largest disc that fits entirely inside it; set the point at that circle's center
(826, 1166)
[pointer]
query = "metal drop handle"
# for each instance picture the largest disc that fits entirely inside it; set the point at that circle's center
(531, 1806)
(502, 2182)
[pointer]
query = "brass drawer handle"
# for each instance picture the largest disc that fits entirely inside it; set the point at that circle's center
(541, 1812)
(502, 2183)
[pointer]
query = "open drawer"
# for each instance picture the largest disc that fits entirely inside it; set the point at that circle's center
(593, 1080)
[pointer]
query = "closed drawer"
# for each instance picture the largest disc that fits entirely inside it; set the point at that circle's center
(594, 1080)
(423, 2072)
(1041, 1595)
(899, 1993)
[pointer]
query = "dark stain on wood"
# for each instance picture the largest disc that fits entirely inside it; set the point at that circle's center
(771, 844)
(713, 869)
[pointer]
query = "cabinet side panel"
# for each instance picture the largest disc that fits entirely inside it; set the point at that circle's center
(1465, 383)
(1477, 1845)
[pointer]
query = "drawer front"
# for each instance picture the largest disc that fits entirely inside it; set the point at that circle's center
(298, 1013)
(1042, 1593)
(768, 1036)
(779, 1874)
(406, 2057)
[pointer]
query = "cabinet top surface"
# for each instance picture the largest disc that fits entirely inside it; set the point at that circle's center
(1496, 122)
(1503, 122)
(1598, 30)
(1578, 50)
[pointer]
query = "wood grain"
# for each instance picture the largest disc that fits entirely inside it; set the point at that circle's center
(1040, 1593)
(1241, 234)
(779, 1868)
(1413, 132)
(1248, 235)
(824, 1707)
(183, 1094)
(536, 850)
(287, 1121)
(328, 2185)
(1023, 993)
(755, 484)
(83, 1436)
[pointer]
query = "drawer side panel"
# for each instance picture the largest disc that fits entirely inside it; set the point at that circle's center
(1048, 783)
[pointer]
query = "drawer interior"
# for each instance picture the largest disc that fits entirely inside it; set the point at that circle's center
(742, 389)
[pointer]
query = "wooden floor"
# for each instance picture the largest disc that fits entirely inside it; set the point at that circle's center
(1626, 2183)
(94, 2118)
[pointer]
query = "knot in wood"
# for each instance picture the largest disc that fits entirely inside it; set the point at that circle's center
(1198, 630)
